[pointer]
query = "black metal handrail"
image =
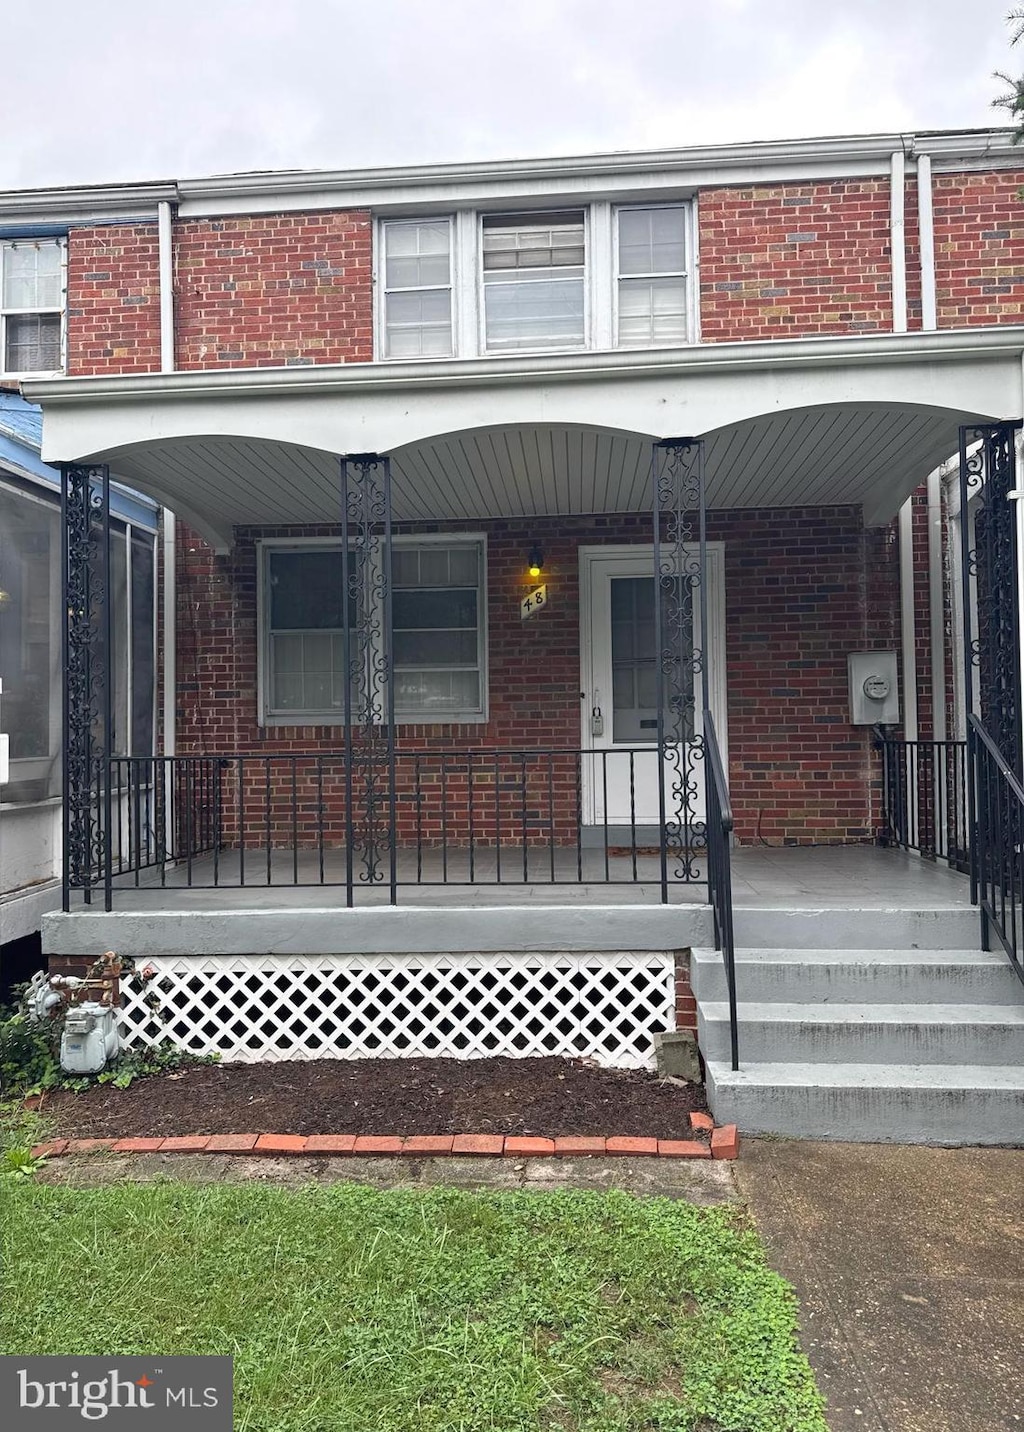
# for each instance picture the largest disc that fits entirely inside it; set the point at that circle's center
(924, 797)
(719, 829)
(997, 844)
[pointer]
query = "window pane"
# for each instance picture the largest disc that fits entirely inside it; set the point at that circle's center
(635, 661)
(417, 255)
(305, 591)
(435, 648)
(143, 616)
(30, 644)
(652, 241)
(31, 275)
(418, 324)
(33, 343)
(423, 608)
(534, 241)
(432, 693)
(532, 314)
(652, 310)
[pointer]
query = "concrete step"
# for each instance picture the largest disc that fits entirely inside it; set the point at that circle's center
(956, 927)
(899, 1103)
(880, 1033)
(860, 976)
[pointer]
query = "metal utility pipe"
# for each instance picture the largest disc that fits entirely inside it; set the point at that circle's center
(908, 625)
(936, 606)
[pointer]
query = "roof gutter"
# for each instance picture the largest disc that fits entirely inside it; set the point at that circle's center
(944, 345)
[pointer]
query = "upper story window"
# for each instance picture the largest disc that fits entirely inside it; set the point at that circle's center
(31, 305)
(651, 285)
(601, 276)
(418, 289)
(534, 294)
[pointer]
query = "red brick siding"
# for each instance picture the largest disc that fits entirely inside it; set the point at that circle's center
(113, 299)
(797, 600)
(795, 259)
(979, 248)
(686, 1003)
(273, 290)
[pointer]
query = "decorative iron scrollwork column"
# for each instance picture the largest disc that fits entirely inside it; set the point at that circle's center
(88, 698)
(992, 675)
(369, 696)
(680, 595)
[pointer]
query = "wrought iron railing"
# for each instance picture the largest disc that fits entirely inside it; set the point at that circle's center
(548, 816)
(924, 797)
(997, 847)
(719, 838)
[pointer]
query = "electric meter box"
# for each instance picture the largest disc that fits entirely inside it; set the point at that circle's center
(874, 688)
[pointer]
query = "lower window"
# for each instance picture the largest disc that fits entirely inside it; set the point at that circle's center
(438, 622)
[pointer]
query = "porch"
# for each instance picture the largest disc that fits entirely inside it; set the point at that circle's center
(808, 878)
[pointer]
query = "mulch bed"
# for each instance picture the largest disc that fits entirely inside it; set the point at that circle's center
(551, 1097)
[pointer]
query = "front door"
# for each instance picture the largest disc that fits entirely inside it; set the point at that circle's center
(619, 694)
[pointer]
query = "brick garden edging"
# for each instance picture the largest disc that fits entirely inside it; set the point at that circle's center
(723, 1144)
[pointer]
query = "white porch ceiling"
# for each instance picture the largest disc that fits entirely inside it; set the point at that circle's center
(874, 455)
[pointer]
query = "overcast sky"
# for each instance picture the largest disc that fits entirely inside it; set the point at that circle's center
(98, 90)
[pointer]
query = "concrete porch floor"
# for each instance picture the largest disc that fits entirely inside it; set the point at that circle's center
(764, 877)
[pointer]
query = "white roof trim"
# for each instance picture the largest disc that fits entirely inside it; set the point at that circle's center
(933, 346)
(699, 164)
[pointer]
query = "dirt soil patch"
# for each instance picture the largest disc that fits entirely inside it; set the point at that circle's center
(550, 1097)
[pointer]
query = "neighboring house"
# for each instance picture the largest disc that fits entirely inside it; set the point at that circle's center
(429, 434)
(31, 702)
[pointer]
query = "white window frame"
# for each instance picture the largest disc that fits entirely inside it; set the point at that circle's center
(688, 274)
(269, 718)
(382, 291)
(569, 208)
(62, 311)
(600, 276)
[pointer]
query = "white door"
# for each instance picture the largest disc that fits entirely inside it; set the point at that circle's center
(619, 691)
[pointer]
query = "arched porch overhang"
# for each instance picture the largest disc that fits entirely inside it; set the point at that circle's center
(844, 421)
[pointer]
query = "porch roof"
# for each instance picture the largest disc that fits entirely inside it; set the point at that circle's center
(787, 423)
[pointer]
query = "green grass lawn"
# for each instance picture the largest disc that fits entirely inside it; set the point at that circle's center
(350, 1308)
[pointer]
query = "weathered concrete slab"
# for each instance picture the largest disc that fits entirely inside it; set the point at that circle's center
(909, 1265)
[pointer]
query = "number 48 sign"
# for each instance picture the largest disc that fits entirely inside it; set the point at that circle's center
(533, 602)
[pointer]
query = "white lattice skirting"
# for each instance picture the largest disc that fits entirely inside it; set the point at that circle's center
(604, 1007)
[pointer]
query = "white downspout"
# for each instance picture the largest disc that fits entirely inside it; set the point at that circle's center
(908, 625)
(165, 253)
(936, 606)
(898, 241)
(170, 654)
(926, 230)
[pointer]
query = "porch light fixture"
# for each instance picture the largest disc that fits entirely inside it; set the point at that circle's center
(535, 561)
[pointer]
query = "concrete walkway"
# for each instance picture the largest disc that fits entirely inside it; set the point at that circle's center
(909, 1266)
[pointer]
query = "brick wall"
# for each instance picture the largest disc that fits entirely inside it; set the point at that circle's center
(113, 299)
(795, 259)
(802, 589)
(979, 248)
(274, 290)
